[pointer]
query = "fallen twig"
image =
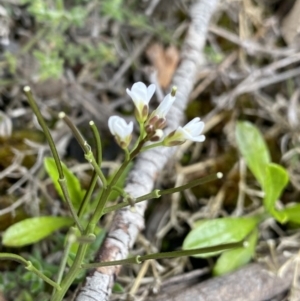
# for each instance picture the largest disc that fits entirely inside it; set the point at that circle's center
(254, 282)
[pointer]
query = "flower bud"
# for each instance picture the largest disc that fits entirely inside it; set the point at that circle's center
(121, 130)
(141, 95)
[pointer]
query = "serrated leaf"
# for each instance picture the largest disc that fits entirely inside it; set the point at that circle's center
(233, 259)
(31, 230)
(253, 148)
(75, 192)
(292, 214)
(218, 231)
(275, 181)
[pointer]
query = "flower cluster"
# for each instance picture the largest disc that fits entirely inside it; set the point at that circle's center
(152, 124)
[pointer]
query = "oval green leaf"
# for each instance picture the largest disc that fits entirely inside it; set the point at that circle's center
(292, 214)
(253, 148)
(233, 259)
(31, 230)
(218, 231)
(75, 192)
(276, 180)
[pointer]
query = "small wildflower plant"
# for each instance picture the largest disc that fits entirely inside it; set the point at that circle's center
(151, 125)
(83, 222)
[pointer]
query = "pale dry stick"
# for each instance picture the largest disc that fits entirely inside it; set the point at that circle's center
(242, 183)
(251, 47)
(16, 204)
(151, 7)
(29, 173)
(228, 61)
(172, 221)
(186, 277)
(292, 112)
(14, 166)
(127, 223)
(228, 100)
(255, 76)
(140, 276)
(251, 283)
(89, 103)
(128, 62)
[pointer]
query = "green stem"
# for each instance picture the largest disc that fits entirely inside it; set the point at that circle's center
(62, 183)
(61, 180)
(141, 136)
(191, 184)
(93, 182)
(97, 139)
(140, 259)
(88, 195)
(157, 193)
(46, 131)
(106, 191)
(105, 194)
(71, 238)
(72, 273)
(30, 267)
(13, 257)
(85, 147)
(69, 278)
(152, 146)
(119, 190)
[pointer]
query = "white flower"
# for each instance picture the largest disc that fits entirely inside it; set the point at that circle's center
(121, 130)
(158, 116)
(165, 106)
(141, 95)
(191, 131)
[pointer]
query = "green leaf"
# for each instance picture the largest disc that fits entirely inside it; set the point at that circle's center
(31, 230)
(275, 181)
(218, 231)
(75, 192)
(253, 148)
(292, 214)
(233, 259)
(118, 288)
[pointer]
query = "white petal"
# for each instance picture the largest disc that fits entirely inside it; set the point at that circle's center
(119, 127)
(128, 129)
(197, 129)
(140, 93)
(150, 92)
(164, 107)
(111, 122)
(200, 138)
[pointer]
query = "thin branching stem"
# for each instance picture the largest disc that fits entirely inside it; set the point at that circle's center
(85, 146)
(157, 193)
(46, 131)
(139, 259)
(30, 267)
(93, 181)
(71, 238)
(61, 180)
